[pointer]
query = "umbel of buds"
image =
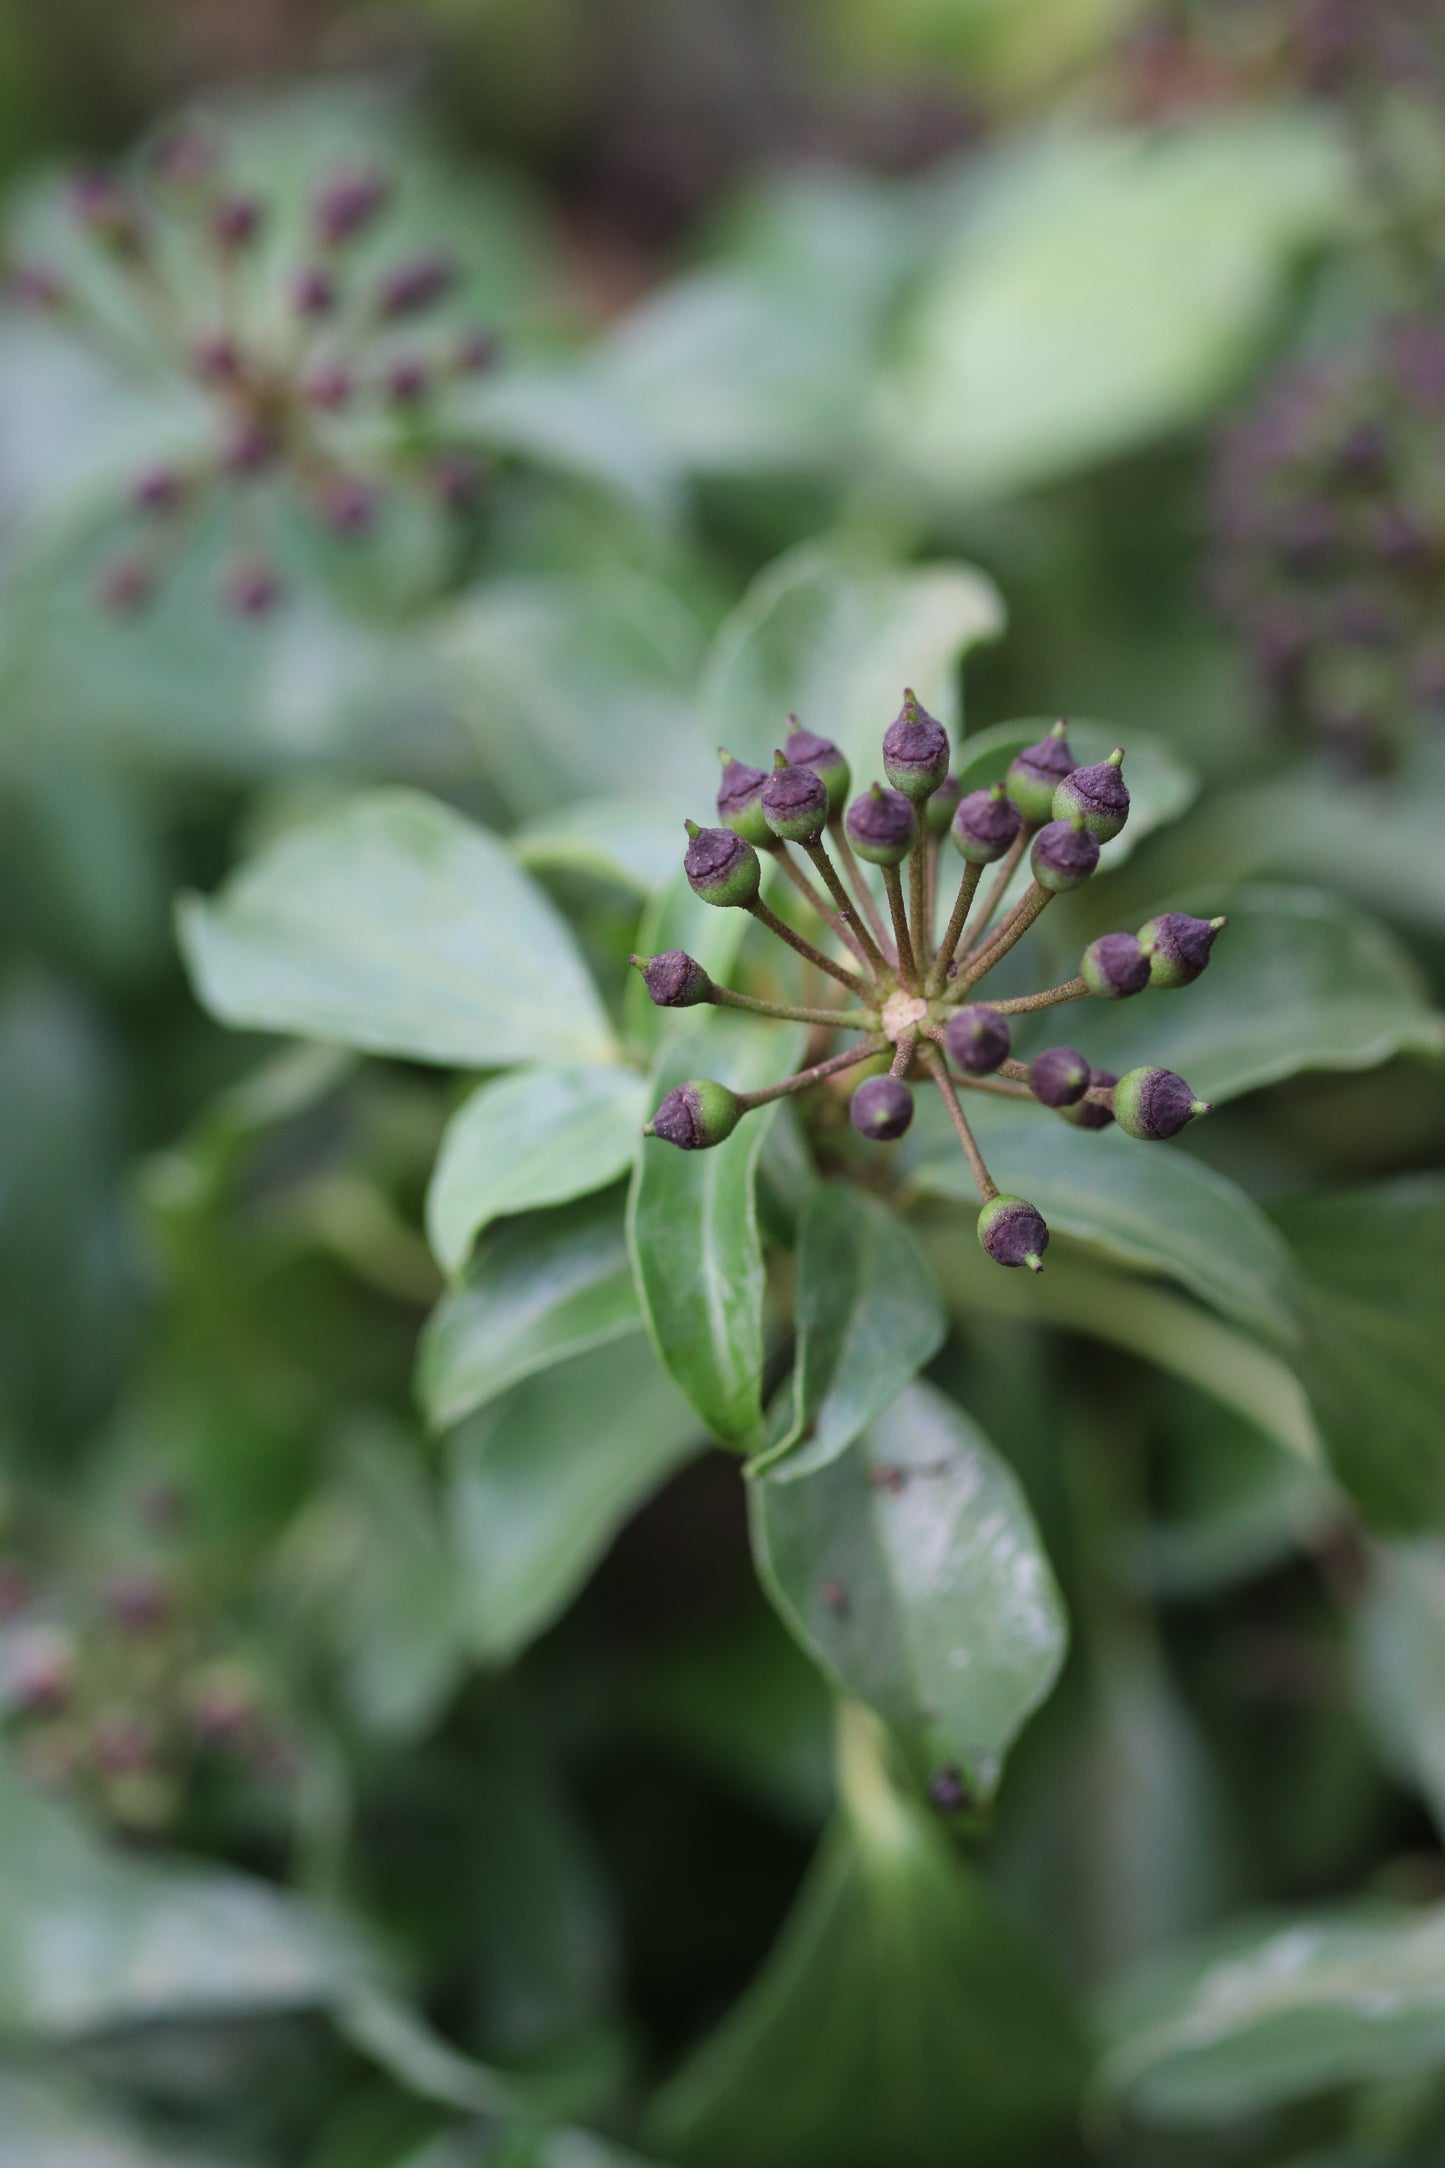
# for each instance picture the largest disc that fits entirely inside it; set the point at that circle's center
(280, 350)
(908, 991)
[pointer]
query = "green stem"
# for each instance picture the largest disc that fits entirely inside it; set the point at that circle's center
(1008, 866)
(918, 896)
(903, 1054)
(893, 889)
(938, 971)
(1052, 998)
(848, 909)
(818, 902)
(854, 873)
(723, 997)
(848, 1059)
(933, 1061)
(1010, 933)
(769, 918)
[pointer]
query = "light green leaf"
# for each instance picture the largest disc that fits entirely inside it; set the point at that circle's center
(47, 2124)
(1149, 1207)
(537, 1137)
(1271, 2012)
(638, 843)
(542, 1481)
(1373, 1263)
(693, 1229)
(395, 925)
(1100, 288)
(1161, 788)
(833, 638)
(869, 1318)
(571, 420)
(901, 2016)
(911, 1569)
(1399, 1648)
(551, 1286)
(1297, 980)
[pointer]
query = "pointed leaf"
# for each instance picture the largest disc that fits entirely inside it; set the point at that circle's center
(394, 925)
(913, 1572)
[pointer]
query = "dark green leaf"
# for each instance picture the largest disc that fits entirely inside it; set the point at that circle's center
(1399, 1634)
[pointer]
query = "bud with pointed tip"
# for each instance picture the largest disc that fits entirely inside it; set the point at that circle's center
(1059, 1076)
(696, 1115)
(721, 867)
(740, 800)
(1178, 947)
(1114, 967)
(1013, 1232)
(1155, 1104)
(805, 749)
(795, 803)
(674, 979)
(881, 826)
(977, 1038)
(985, 825)
(882, 1108)
(1098, 794)
(1036, 773)
(1064, 855)
(1084, 1113)
(915, 750)
(941, 807)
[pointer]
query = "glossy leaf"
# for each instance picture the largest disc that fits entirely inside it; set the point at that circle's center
(868, 1319)
(551, 1286)
(1372, 1261)
(1272, 2012)
(542, 1480)
(1399, 1641)
(913, 1572)
(394, 925)
(693, 1229)
(537, 1137)
(1148, 1207)
(1297, 980)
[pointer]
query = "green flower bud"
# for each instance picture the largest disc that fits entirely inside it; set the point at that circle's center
(882, 1108)
(1098, 794)
(740, 801)
(1036, 773)
(977, 1038)
(1114, 966)
(942, 806)
(795, 803)
(721, 867)
(985, 825)
(1013, 1233)
(675, 980)
(695, 1115)
(1084, 1114)
(915, 750)
(1064, 855)
(805, 749)
(1155, 1104)
(1178, 947)
(881, 826)
(1059, 1077)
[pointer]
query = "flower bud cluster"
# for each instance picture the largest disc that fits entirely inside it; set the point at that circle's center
(322, 380)
(909, 1001)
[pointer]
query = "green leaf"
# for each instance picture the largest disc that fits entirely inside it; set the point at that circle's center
(1150, 1208)
(1373, 1262)
(1273, 2011)
(911, 1569)
(833, 637)
(634, 842)
(1399, 1648)
(541, 1482)
(394, 925)
(1096, 289)
(869, 1318)
(1297, 980)
(693, 1229)
(47, 2124)
(552, 1285)
(537, 1137)
(901, 2016)
(1161, 788)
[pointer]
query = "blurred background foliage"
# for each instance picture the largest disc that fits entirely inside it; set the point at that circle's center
(400, 1765)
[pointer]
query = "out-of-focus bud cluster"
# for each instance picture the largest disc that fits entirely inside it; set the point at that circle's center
(323, 361)
(131, 1691)
(1329, 535)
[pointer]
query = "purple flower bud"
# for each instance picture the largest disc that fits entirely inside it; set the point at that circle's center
(696, 1115)
(915, 750)
(329, 387)
(674, 979)
(721, 867)
(313, 292)
(407, 381)
(1013, 1232)
(882, 1108)
(348, 204)
(881, 826)
(1178, 947)
(805, 749)
(1098, 796)
(795, 803)
(1155, 1104)
(158, 489)
(235, 222)
(105, 209)
(216, 359)
(947, 1791)
(986, 824)
(347, 505)
(476, 353)
(1036, 773)
(1115, 966)
(35, 286)
(251, 589)
(184, 156)
(456, 479)
(411, 287)
(250, 446)
(1059, 1077)
(125, 586)
(977, 1038)
(1084, 1114)
(139, 1602)
(740, 800)
(41, 1667)
(1064, 855)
